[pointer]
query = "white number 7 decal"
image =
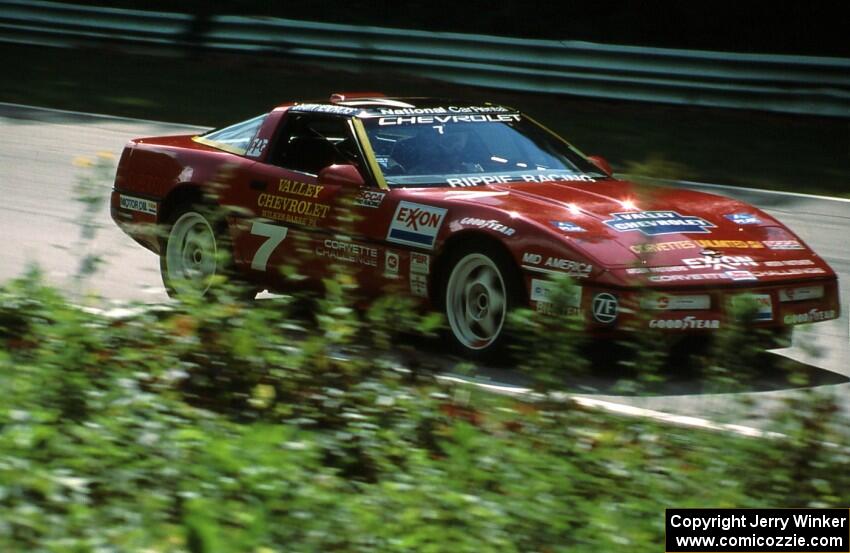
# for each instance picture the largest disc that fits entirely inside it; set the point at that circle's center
(275, 235)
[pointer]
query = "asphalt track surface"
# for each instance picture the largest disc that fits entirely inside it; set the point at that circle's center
(38, 226)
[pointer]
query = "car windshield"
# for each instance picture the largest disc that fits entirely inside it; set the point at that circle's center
(471, 150)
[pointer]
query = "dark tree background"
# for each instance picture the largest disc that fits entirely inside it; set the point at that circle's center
(811, 28)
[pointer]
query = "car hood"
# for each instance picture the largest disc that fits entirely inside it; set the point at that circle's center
(621, 224)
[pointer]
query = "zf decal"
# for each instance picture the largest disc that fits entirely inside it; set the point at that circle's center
(605, 308)
(415, 224)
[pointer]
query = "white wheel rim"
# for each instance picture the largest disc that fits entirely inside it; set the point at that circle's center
(475, 301)
(190, 255)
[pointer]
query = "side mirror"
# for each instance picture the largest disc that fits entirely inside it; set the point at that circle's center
(346, 176)
(602, 163)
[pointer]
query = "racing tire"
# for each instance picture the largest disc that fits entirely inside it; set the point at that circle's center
(196, 258)
(482, 285)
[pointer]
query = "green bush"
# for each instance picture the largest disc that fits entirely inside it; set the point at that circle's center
(233, 426)
(226, 427)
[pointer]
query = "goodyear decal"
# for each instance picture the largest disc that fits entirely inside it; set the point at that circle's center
(685, 323)
(811, 316)
(415, 224)
(490, 224)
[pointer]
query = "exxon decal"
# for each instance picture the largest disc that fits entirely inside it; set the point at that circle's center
(655, 223)
(415, 224)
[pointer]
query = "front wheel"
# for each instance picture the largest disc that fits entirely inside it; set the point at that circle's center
(482, 287)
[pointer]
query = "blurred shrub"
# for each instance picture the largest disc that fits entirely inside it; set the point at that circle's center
(228, 427)
(234, 426)
(658, 166)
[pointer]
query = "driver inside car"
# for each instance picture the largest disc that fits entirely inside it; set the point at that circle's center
(446, 149)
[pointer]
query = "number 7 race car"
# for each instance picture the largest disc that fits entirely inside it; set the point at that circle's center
(470, 207)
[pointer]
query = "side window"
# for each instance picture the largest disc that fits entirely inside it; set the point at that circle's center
(235, 138)
(308, 143)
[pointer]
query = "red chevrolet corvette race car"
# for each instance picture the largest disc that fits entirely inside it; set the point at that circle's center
(470, 207)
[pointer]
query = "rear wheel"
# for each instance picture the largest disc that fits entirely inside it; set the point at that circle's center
(196, 255)
(483, 285)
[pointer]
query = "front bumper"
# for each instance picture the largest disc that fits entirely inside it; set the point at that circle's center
(690, 311)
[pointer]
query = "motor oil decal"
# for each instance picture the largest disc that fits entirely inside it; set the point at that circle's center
(137, 204)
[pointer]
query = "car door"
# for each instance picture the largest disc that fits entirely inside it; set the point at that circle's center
(296, 226)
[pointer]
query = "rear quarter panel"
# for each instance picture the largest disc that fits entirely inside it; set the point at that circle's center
(151, 170)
